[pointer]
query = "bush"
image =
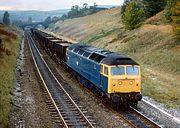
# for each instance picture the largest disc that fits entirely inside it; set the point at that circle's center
(176, 18)
(132, 15)
(168, 10)
(152, 7)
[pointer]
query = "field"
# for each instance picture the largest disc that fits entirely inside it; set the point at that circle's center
(153, 45)
(8, 58)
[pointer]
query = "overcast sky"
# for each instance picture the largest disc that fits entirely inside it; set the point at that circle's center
(51, 4)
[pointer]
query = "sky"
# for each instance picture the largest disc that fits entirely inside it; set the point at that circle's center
(51, 4)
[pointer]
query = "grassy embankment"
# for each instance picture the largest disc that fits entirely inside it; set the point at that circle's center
(153, 45)
(8, 59)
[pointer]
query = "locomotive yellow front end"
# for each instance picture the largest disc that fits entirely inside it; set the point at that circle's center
(124, 84)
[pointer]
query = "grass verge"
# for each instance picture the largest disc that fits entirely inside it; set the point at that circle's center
(7, 73)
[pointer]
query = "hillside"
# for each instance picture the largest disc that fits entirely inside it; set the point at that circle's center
(36, 15)
(153, 45)
(8, 57)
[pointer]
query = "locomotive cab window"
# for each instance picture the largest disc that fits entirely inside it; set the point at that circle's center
(101, 69)
(132, 70)
(105, 70)
(118, 70)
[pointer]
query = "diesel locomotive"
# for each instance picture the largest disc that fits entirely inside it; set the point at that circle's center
(109, 75)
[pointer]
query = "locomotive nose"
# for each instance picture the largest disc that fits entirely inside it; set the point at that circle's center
(138, 97)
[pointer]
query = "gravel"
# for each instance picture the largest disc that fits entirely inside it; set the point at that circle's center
(28, 107)
(158, 116)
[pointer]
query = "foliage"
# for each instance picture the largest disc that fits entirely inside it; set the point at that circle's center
(55, 19)
(76, 11)
(6, 19)
(152, 7)
(18, 22)
(29, 20)
(47, 21)
(132, 14)
(176, 18)
(63, 17)
(123, 8)
(168, 10)
(172, 14)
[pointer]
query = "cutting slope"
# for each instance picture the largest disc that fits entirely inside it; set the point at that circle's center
(8, 57)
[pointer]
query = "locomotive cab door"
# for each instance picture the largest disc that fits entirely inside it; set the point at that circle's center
(104, 72)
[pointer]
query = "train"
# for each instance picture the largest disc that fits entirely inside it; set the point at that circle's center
(114, 77)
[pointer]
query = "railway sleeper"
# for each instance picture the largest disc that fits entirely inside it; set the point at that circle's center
(75, 124)
(55, 115)
(72, 114)
(72, 117)
(51, 107)
(71, 108)
(53, 112)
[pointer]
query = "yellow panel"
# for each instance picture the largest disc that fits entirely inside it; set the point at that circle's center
(122, 84)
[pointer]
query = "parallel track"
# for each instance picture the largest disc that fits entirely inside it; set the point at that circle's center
(67, 112)
(136, 119)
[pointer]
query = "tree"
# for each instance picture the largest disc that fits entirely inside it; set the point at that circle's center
(74, 12)
(6, 19)
(133, 15)
(85, 5)
(95, 5)
(176, 18)
(29, 20)
(55, 19)
(47, 21)
(124, 6)
(168, 10)
(63, 17)
(18, 22)
(152, 7)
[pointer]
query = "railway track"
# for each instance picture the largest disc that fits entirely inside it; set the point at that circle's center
(64, 110)
(136, 119)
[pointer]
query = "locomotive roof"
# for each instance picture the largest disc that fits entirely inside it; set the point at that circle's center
(117, 59)
(56, 40)
(64, 44)
(102, 56)
(51, 37)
